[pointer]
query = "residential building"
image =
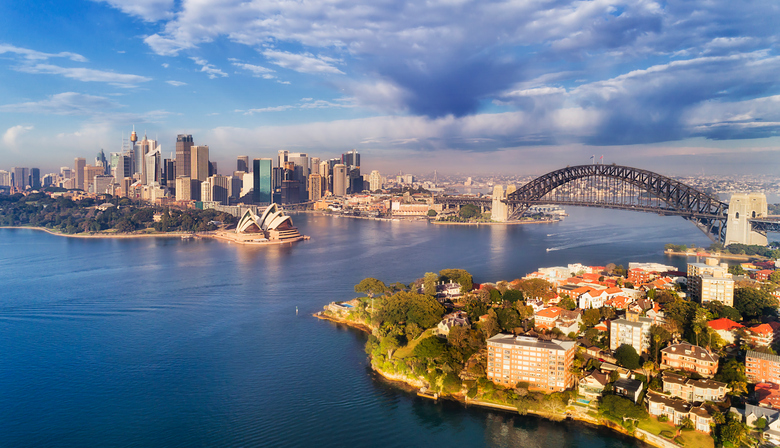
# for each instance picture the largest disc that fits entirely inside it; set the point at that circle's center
(315, 189)
(690, 358)
(544, 365)
(183, 155)
(628, 388)
(762, 367)
(768, 395)
(694, 390)
(725, 328)
(676, 410)
(710, 282)
(633, 333)
(455, 319)
(592, 386)
(545, 318)
(764, 335)
(569, 321)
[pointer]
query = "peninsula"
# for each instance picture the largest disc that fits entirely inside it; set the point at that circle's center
(606, 345)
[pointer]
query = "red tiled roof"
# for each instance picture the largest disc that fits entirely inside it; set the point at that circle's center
(762, 329)
(723, 324)
(550, 312)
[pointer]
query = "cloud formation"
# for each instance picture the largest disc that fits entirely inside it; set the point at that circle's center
(12, 134)
(209, 69)
(86, 74)
(32, 55)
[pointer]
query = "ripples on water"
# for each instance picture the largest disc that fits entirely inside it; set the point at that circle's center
(164, 343)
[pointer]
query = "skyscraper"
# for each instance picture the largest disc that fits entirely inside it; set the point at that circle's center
(35, 178)
(21, 178)
(263, 187)
(183, 155)
(351, 159)
(315, 187)
(282, 158)
(152, 167)
(79, 163)
(200, 163)
(144, 149)
(100, 160)
(5, 178)
(340, 180)
(242, 164)
(375, 181)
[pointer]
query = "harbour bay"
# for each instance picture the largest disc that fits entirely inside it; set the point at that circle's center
(163, 342)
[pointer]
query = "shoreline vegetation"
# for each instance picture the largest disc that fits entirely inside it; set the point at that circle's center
(432, 335)
(571, 413)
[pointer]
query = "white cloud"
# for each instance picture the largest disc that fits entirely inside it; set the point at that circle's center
(165, 65)
(304, 63)
(148, 10)
(67, 103)
(176, 83)
(13, 133)
(306, 103)
(211, 70)
(86, 74)
(32, 55)
(257, 70)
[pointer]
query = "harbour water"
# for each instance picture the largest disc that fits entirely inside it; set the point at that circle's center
(163, 343)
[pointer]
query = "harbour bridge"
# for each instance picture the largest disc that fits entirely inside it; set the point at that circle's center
(626, 188)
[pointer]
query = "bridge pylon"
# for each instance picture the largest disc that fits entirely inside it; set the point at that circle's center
(742, 208)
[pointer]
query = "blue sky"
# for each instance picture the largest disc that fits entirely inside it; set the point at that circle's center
(454, 85)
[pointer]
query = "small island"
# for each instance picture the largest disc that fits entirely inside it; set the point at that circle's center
(447, 337)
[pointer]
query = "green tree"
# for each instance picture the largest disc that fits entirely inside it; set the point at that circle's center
(429, 283)
(429, 348)
(459, 276)
(409, 307)
(620, 408)
(732, 432)
(775, 277)
(432, 213)
(469, 211)
(591, 317)
(567, 303)
(512, 296)
(753, 303)
(371, 286)
(627, 357)
(537, 288)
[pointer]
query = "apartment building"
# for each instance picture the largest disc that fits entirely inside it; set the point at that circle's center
(691, 358)
(762, 367)
(694, 390)
(635, 332)
(544, 365)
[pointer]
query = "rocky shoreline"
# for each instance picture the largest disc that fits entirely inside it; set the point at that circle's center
(415, 384)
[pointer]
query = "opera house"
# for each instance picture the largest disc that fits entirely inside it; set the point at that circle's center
(272, 227)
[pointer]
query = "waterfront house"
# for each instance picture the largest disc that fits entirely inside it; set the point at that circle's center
(676, 410)
(691, 358)
(592, 386)
(628, 388)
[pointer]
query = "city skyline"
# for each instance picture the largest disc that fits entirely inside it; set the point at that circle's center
(466, 87)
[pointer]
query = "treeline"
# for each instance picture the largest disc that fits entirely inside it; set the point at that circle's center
(72, 217)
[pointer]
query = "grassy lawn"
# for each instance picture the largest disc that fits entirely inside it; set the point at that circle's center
(403, 352)
(690, 438)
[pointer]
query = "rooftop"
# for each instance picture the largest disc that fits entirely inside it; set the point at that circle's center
(690, 350)
(764, 356)
(527, 341)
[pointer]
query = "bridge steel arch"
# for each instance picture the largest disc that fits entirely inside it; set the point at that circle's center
(708, 213)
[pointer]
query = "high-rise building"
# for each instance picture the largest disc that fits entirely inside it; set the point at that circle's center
(282, 158)
(48, 180)
(168, 174)
(200, 163)
(89, 176)
(213, 168)
(242, 164)
(183, 155)
(103, 184)
(136, 155)
(710, 282)
(635, 333)
(5, 178)
(301, 160)
(340, 180)
(315, 187)
(20, 178)
(375, 181)
(79, 165)
(355, 183)
(66, 172)
(219, 189)
(35, 178)
(147, 146)
(544, 365)
(236, 184)
(153, 167)
(262, 180)
(184, 188)
(100, 160)
(314, 165)
(351, 159)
